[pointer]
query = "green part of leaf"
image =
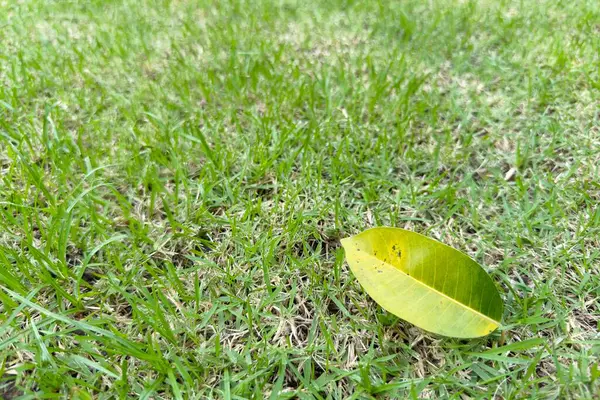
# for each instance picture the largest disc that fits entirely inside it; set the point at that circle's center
(425, 282)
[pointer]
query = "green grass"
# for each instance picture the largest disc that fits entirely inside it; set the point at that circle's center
(175, 177)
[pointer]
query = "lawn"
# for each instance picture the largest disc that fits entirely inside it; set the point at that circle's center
(176, 176)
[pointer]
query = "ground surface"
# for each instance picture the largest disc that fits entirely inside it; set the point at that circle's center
(176, 176)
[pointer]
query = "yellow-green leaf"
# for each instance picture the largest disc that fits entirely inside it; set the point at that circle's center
(425, 282)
